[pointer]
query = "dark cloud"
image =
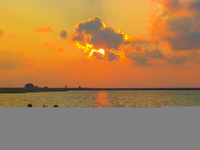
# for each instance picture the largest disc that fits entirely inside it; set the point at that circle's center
(194, 5)
(63, 34)
(179, 24)
(111, 56)
(142, 58)
(90, 26)
(177, 60)
(154, 54)
(173, 5)
(95, 33)
(107, 39)
(141, 61)
(187, 42)
(97, 55)
(187, 33)
(184, 57)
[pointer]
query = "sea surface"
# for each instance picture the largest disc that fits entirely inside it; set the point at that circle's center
(115, 98)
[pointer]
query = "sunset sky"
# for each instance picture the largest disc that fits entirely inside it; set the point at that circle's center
(100, 43)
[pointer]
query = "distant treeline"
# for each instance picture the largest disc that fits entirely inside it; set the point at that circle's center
(26, 90)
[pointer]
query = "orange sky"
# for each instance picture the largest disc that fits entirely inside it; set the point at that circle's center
(146, 43)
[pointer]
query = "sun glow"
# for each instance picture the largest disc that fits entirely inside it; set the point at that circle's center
(101, 51)
(86, 48)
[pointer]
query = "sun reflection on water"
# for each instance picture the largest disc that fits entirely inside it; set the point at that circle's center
(102, 99)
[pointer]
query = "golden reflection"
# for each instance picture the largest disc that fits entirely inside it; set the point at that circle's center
(102, 99)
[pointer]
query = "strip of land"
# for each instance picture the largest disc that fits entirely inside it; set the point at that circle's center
(133, 88)
(27, 90)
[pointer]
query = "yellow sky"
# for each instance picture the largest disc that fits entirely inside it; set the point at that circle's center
(33, 51)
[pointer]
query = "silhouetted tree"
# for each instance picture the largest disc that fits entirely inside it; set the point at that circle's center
(29, 85)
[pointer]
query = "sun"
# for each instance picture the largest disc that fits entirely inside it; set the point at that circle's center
(101, 51)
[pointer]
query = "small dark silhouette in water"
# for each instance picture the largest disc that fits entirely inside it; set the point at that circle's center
(55, 106)
(30, 105)
(45, 106)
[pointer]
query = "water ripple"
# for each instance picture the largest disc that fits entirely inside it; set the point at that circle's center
(103, 99)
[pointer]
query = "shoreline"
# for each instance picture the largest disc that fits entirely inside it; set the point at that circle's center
(29, 90)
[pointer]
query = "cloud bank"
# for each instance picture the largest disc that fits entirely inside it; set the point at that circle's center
(178, 23)
(174, 28)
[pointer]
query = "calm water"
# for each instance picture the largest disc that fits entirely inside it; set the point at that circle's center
(103, 99)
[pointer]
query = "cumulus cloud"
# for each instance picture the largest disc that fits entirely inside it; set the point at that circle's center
(63, 34)
(93, 35)
(45, 29)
